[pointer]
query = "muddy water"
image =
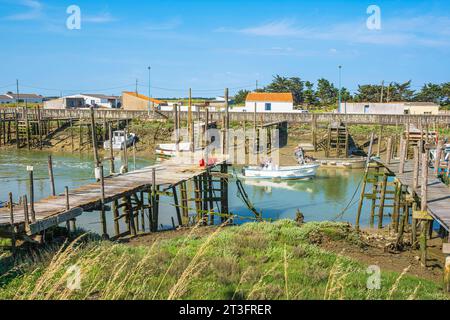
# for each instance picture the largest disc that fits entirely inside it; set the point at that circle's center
(322, 198)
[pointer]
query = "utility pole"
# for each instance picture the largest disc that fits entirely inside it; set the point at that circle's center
(136, 87)
(340, 96)
(382, 89)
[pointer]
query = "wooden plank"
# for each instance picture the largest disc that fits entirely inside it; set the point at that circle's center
(44, 224)
(421, 215)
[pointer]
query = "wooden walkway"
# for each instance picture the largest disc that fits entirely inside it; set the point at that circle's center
(438, 195)
(52, 210)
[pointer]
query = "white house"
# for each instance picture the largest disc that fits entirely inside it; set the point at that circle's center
(424, 108)
(268, 102)
(99, 100)
(22, 97)
(4, 99)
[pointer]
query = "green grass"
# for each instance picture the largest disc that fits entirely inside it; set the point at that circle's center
(253, 261)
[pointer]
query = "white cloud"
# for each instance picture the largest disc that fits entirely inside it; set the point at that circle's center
(165, 25)
(34, 11)
(104, 17)
(427, 31)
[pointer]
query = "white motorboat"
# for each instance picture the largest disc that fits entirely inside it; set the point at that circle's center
(304, 171)
(118, 140)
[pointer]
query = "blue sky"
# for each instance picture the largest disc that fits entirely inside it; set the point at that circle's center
(209, 45)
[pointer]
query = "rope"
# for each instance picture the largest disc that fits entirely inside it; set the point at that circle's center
(350, 203)
(242, 194)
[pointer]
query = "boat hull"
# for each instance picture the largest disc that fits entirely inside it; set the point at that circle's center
(283, 173)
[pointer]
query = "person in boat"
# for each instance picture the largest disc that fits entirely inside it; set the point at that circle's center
(300, 155)
(266, 163)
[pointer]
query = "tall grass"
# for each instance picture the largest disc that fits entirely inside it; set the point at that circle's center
(253, 261)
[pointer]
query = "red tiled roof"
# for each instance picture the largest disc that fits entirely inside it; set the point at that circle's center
(141, 96)
(270, 96)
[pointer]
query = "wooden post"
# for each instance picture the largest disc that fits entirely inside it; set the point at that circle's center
(224, 190)
(380, 138)
(134, 155)
(102, 210)
(39, 128)
(205, 198)
(414, 227)
(115, 210)
(437, 161)
(72, 146)
(191, 122)
(94, 139)
(66, 193)
(364, 182)
(416, 169)
(397, 205)
(125, 151)
(389, 151)
(176, 127)
(314, 131)
(424, 183)
(11, 221)
(374, 197)
(184, 203)
(51, 176)
(142, 211)
(154, 203)
(382, 200)
(407, 140)
(27, 128)
(211, 202)
(197, 195)
(25, 212)
(31, 193)
(424, 207)
(16, 124)
(177, 205)
(401, 168)
(112, 169)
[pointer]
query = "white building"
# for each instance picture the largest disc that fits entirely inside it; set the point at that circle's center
(268, 102)
(22, 98)
(425, 108)
(4, 99)
(99, 100)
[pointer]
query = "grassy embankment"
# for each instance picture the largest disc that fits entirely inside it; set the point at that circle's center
(253, 261)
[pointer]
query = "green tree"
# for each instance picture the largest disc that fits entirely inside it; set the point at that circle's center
(326, 92)
(240, 97)
(430, 93)
(284, 84)
(309, 94)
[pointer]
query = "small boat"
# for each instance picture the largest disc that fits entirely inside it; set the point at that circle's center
(304, 171)
(347, 163)
(118, 140)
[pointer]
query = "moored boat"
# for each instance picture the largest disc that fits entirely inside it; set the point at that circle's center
(118, 140)
(346, 163)
(304, 171)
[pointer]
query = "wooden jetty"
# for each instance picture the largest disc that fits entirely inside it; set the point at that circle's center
(32, 219)
(416, 193)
